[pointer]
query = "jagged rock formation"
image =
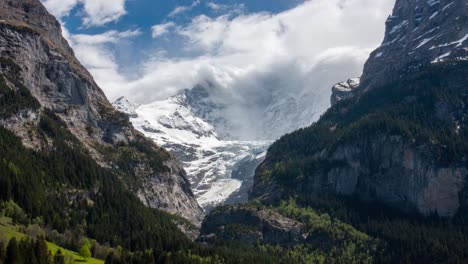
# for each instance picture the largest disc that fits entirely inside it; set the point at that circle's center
(252, 225)
(398, 137)
(31, 38)
(419, 32)
(344, 90)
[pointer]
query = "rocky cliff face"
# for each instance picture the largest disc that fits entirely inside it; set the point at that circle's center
(389, 169)
(31, 38)
(418, 33)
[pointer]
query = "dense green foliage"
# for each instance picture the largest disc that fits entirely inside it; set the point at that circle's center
(334, 240)
(66, 187)
(406, 238)
(326, 239)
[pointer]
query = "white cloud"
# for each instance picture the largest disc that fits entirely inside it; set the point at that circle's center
(182, 9)
(253, 58)
(309, 34)
(204, 32)
(111, 36)
(231, 9)
(60, 8)
(100, 12)
(161, 29)
(97, 55)
(95, 12)
(215, 6)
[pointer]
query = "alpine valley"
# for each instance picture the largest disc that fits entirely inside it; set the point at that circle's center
(379, 177)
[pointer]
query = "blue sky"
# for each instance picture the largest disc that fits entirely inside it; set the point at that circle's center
(144, 14)
(148, 50)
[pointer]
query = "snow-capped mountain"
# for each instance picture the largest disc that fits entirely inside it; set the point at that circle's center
(220, 171)
(220, 137)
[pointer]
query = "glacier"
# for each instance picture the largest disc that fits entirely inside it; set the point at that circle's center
(220, 171)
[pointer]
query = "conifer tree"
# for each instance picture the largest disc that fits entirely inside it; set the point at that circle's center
(59, 258)
(42, 251)
(13, 255)
(2, 251)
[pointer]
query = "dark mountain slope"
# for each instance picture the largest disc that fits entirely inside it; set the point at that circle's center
(402, 139)
(403, 144)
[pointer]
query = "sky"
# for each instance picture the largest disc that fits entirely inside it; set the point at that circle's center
(147, 50)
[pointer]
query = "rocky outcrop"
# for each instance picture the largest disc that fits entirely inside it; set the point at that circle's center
(418, 33)
(344, 90)
(251, 224)
(31, 38)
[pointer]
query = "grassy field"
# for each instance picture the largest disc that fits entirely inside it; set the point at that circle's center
(8, 231)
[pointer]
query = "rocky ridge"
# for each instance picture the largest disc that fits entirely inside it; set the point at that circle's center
(418, 33)
(252, 225)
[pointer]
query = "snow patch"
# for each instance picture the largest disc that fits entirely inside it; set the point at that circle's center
(433, 2)
(424, 42)
(219, 192)
(457, 42)
(441, 57)
(398, 27)
(447, 6)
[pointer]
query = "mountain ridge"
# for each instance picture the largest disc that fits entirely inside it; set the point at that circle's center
(369, 145)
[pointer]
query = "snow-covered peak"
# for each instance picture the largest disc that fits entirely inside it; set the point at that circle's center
(124, 106)
(176, 120)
